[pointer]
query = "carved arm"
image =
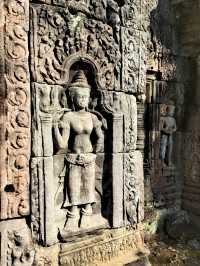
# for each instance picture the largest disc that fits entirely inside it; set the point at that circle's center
(62, 138)
(99, 134)
(175, 126)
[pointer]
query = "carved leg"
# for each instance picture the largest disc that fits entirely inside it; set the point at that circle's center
(163, 147)
(73, 218)
(87, 210)
(169, 154)
(86, 220)
(71, 224)
(88, 176)
(74, 184)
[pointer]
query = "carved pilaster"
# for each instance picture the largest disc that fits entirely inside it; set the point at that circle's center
(46, 123)
(134, 187)
(117, 170)
(15, 99)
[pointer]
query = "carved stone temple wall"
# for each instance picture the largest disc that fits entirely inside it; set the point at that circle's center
(188, 25)
(73, 84)
(172, 100)
(99, 116)
(164, 108)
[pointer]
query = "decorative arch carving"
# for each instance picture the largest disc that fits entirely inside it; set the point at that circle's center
(81, 58)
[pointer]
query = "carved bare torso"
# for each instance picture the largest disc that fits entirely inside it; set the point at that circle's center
(168, 125)
(77, 129)
(81, 126)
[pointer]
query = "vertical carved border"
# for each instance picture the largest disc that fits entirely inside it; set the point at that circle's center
(134, 187)
(15, 99)
(130, 59)
(2, 102)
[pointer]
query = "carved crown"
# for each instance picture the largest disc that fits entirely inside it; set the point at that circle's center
(79, 81)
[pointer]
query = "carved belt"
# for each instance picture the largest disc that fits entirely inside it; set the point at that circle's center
(83, 159)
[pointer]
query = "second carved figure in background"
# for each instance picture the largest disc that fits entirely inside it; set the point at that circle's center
(168, 127)
(73, 134)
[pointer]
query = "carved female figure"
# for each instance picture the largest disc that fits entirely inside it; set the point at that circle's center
(168, 127)
(74, 136)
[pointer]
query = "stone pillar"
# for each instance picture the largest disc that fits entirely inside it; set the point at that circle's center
(46, 123)
(48, 176)
(117, 170)
(14, 130)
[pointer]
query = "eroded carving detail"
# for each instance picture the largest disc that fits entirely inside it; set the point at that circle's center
(61, 34)
(103, 251)
(167, 127)
(16, 244)
(134, 190)
(15, 150)
(118, 102)
(64, 152)
(76, 127)
(133, 60)
(63, 41)
(20, 250)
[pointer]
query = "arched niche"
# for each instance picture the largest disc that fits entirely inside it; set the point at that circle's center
(85, 62)
(48, 165)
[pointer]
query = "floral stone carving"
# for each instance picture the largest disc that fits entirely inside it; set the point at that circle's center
(15, 99)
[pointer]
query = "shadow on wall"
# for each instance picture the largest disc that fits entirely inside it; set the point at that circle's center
(174, 53)
(188, 21)
(165, 74)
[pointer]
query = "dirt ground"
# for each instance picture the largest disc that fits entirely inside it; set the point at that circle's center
(184, 251)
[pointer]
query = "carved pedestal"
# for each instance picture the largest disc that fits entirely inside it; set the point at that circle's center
(108, 244)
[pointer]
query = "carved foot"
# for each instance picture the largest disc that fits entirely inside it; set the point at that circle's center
(71, 224)
(86, 220)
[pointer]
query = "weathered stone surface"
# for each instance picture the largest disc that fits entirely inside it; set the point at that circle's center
(15, 110)
(161, 134)
(168, 127)
(107, 245)
(133, 58)
(188, 20)
(67, 38)
(16, 244)
(167, 81)
(51, 161)
(75, 34)
(134, 187)
(87, 78)
(47, 256)
(103, 74)
(187, 26)
(113, 12)
(69, 50)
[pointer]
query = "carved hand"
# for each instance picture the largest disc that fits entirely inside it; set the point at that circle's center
(98, 147)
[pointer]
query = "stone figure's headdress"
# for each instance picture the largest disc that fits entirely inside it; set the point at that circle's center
(79, 81)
